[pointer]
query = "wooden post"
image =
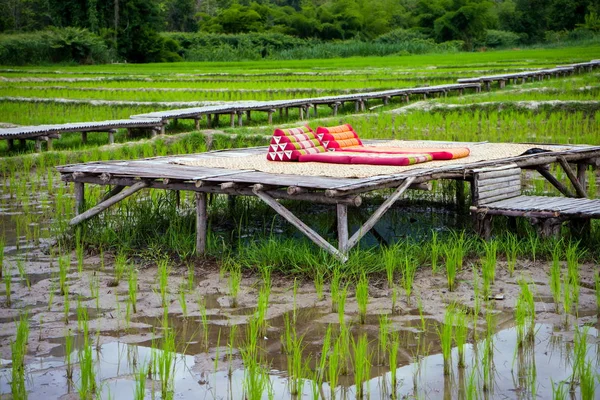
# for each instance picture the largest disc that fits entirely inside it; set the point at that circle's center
(425, 96)
(111, 136)
(49, 143)
(484, 225)
(362, 105)
(502, 83)
(232, 119)
(22, 143)
(356, 105)
(581, 176)
(342, 227)
(239, 114)
(287, 113)
(270, 116)
(386, 100)
(11, 144)
(79, 197)
(460, 91)
(215, 121)
(201, 223)
(488, 86)
(107, 203)
(248, 115)
(315, 110)
(459, 186)
(335, 107)
(197, 124)
(163, 129)
(301, 110)
(280, 114)
(208, 121)
(128, 133)
(38, 145)
(153, 133)
(84, 137)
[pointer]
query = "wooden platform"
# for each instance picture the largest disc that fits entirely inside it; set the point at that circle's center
(45, 133)
(128, 177)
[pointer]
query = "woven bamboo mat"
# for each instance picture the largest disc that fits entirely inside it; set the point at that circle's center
(479, 152)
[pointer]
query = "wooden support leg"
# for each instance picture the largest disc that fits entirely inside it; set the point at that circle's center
(281, 114)
(555, 182)
(370, 223)
(483, 225)
(488, 85)
(572, 177)
(239, 114)
(270, 116)
(460, 92)
(163, 130)
(461, 202)
(79, 193)
(287, 113)
(153, 133)
(114, 191)
(232, 120)
(406, 98)
(49, 143)
(209, 121)
(580, 228)
(107, 203)
(23, 143)
(315, 110)
(305, 229)
(249, 115)
(502, 83)
(424, 96)
(111, 136)
(178, 198)
(342, 227)
(386, 100)
(362, 105)
(548, 227)
(38, 145)
(197, 124)
(84, 137)
(356, 105)
(11, 144)
(301, 110)
(201, 223)
(582, 176)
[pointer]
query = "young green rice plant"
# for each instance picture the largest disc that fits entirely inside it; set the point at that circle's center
(408, 276)
(18, 351)
(295, 364)
(555, 283)
(394, 299)
(163, 281)
(190, 277)
(511, 250)
(95, 290)
(559, 391)
(587, 381)
(230, 348)
(22, 274)
(166, 363)
(121, 268)
(434, 249)
(183, 301)
(488, 266)
(461, 330)
(325, 349)
(66, 305)
(452, 265)
(333, 367)
(235, 280)
(256, 378)
(445, 335)
(203, 319)
(7, 278)
(334, 287)
(87, 385)
(580, 345)
(362, 364)
(141, 376)
(573, 254)
(63, 268)
(534, 242)
(341, 304)
(384, 331)
(133, 288)
(525, 314)
(342, 345)
(362, 297)
(69, 341)
(79, 249)
(393, 348)
(319, 278)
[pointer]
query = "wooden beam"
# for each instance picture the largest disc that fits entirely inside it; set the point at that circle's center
(581, 176)
(367, 226)
(305, 229)
(579, 190)
(201, 223)
(555, 182)
(107, 203)
(342, 227)
(114, 191)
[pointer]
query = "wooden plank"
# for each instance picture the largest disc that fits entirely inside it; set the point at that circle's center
(201, 223)
(499, 197)
(510, 182)
(107, 203)
(370, 223)
(508, 192)
(582, 176)
(305, 229)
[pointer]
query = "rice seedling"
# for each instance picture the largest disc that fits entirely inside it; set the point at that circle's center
(488, 266)
(87, 375)
(166, 363)
(203, 319)
(512, 244)
(525, 314)
(461, 331)
(452, 265)
(445, 335)
(334, 288)
(235, 280)
(22, 274)
(394, 309)
(7, 278)
(393, 348)
(140, 382)
(384, 331)
(190, 277)
(333, 370)
(580, 345)
(362, 297)
(95, 290)
(69, 341)
(587, 381)
(361, 365)
(294, 364)
(183, 301)
(163, 281)
(133, 288)
(534, 242)
(66, 305)
(342, 345)
(63, 268)
(79, 250)
(120, 268)
(573, 254)
(408, 276)
(230, 348)
(559, 391)
(341, 304)
(256, 378)
(325, 349)
(434, 249)
(319, 279)
(18, 351)
(555, 282)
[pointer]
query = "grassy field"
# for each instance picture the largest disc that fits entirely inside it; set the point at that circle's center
(266, 313)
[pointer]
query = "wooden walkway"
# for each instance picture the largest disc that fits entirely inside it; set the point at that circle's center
(128, 177)
(46, 133)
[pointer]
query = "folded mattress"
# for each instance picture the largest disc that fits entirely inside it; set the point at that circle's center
(350, 157)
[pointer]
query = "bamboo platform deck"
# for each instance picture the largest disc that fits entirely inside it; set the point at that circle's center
(45, 133)
(128, 177)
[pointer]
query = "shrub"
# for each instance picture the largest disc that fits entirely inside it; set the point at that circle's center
(495, 38)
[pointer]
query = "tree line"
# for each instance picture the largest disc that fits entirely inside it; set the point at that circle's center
(132, 29)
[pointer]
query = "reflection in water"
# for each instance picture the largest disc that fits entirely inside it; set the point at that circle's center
(522, 373)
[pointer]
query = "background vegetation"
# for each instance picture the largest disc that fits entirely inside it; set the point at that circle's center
(89, 31)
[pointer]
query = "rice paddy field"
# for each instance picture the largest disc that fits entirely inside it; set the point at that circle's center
(121, 308)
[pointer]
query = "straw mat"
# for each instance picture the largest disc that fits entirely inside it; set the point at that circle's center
(479, 152)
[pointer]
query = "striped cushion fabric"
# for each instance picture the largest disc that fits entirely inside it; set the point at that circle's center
(338, 137)
(349, 157)
(289, 144)
(437, 153)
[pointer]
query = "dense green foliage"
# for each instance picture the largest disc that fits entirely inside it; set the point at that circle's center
(281, 29)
